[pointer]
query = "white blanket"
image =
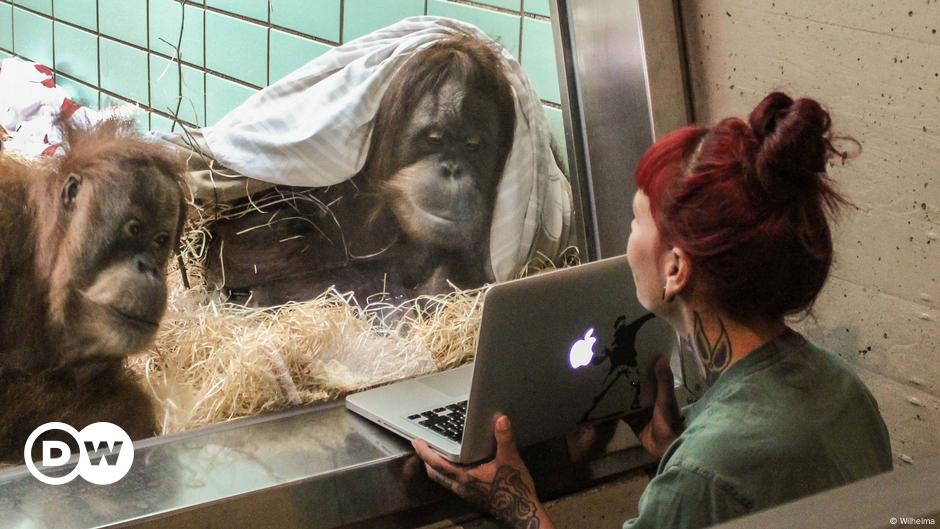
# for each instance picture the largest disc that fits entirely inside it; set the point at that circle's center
(312, 128)
(29, 104)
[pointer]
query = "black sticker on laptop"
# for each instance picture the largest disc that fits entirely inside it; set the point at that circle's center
(622, 357)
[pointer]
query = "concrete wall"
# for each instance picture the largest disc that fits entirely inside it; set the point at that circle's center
(876, 65)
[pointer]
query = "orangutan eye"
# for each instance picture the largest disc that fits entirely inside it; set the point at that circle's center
(473, 143)
(132, 228)
(435, 138)
(161, 240)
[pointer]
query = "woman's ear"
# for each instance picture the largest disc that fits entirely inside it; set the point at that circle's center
(678, 273)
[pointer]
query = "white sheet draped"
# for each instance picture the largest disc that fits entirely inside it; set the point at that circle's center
(312, 128)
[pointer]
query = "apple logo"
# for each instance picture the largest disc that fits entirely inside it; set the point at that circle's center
(582, 351)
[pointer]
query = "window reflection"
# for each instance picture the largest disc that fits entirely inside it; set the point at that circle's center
(351, 215)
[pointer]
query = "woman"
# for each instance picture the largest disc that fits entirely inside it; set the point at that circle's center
(730, 235)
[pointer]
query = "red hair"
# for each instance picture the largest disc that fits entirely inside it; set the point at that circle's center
(750, 203)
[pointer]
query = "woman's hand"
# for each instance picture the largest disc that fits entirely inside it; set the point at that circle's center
(502, 487)
(665, 425)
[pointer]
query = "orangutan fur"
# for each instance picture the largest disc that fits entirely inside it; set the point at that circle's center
(84, 243)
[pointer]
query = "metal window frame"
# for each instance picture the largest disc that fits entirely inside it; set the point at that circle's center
(623, 84)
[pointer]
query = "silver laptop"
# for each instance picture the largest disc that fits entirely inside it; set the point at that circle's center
(555, 351)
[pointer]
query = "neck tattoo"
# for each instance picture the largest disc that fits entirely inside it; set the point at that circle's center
(711, 357)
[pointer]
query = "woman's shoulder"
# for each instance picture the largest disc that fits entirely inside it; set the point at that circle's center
(794, 390)
(786, 415)
(830, 369)
(797, 368)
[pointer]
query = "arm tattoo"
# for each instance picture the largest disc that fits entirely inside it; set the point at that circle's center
(713, 358)
(507, 497)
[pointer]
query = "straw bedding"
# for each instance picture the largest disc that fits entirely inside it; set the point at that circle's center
(213, 361)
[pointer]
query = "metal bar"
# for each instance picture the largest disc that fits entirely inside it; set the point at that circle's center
(584, 223)
(624, 86)
(312, 467)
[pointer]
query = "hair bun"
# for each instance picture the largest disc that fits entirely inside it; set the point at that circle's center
(764, 117)
(793, 145)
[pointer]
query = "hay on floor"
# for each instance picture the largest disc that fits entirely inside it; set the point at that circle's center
(213, 361)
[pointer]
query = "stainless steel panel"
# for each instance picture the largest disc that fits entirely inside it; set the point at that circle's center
(314, 467)
(202, 469)
(624, 83)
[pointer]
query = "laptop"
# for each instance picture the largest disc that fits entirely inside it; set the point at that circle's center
(555, 351)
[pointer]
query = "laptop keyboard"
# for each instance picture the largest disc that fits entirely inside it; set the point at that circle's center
(446, 420)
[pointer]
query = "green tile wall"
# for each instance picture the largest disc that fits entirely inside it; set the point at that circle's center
(498, 25)
(289, 52)
(32, 36)
(6, 26)
(80, 12)
(162, 124)
(167, 21)
(232, 48)
(319, 18)
(363, 16)
(513, 5)
(538, 7)
(124, 20)
(222, 96)
(256, 9)
(76, 53)
(124, 70)
(538, 58)
(42, 6)
(237, 48)
(165, 90)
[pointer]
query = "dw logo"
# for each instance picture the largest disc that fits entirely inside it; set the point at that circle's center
(108, 442)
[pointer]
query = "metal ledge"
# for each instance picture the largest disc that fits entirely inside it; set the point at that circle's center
(317, 467)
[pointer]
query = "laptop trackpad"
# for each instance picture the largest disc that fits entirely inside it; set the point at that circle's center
(453, 383)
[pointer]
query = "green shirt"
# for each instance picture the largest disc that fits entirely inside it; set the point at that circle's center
(786, 421)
